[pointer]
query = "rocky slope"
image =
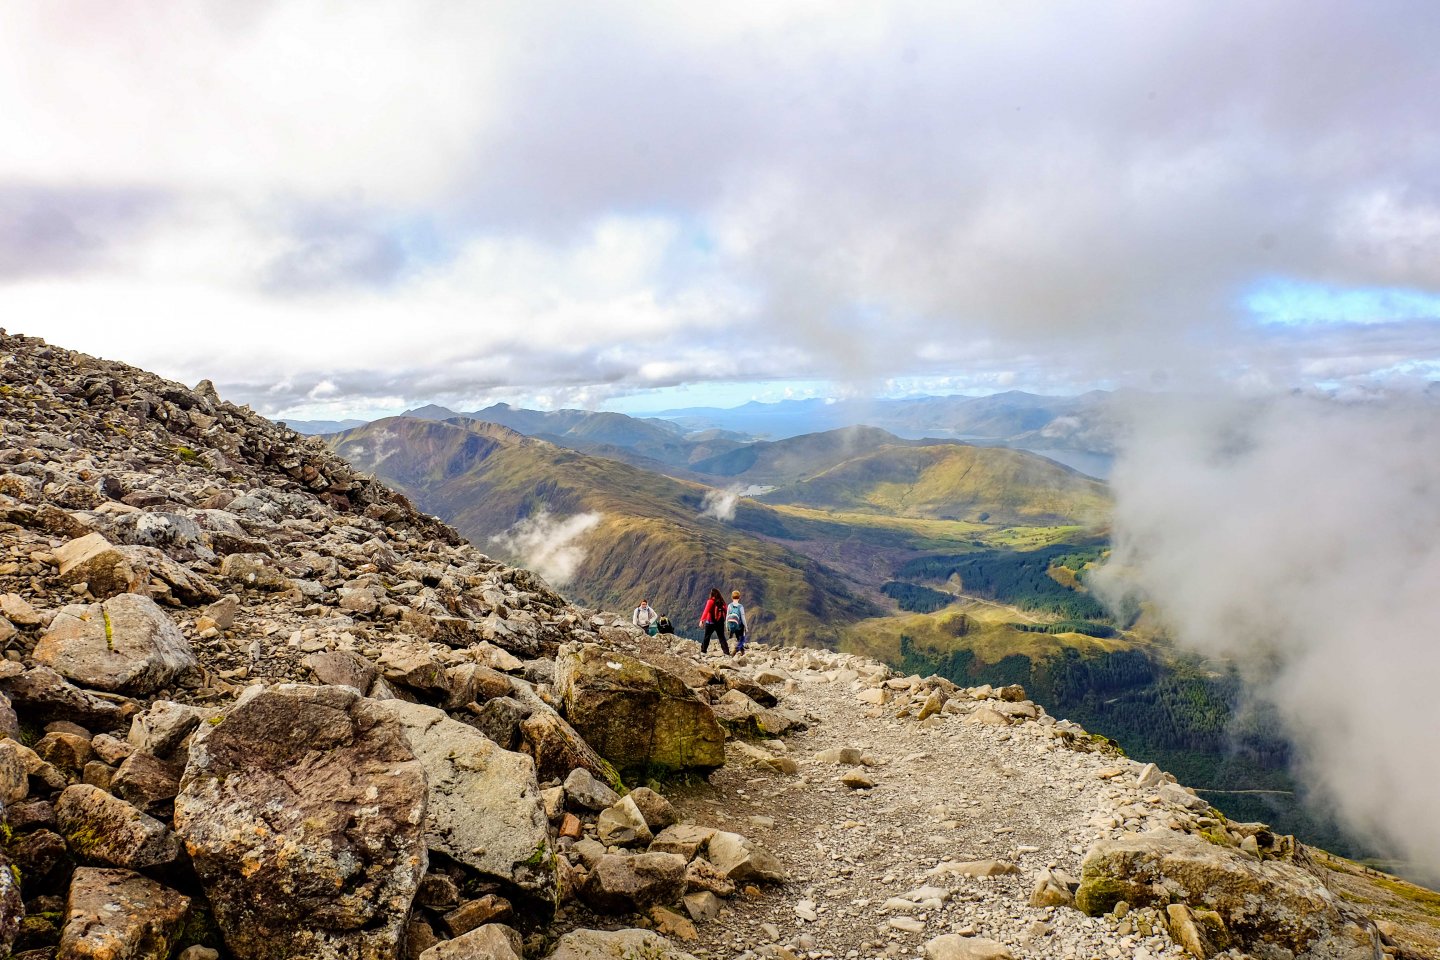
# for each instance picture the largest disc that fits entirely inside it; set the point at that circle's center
(254, 705)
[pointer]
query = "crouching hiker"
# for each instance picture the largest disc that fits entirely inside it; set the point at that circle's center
(646, 618)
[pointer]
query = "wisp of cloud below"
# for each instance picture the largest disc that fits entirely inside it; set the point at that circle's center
(549, 545)
(1300, 538)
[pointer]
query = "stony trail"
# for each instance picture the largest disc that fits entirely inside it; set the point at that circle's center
(946, 794)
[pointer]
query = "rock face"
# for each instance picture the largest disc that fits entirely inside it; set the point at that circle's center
(303, 812)
(120, 915)
(484, 808)
(637, 716)
(1260, 905)
(126, 645)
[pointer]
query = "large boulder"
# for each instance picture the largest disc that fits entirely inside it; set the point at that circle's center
(44, 695)
(1261, 904)
(125, 645)
(303, 811)
(637, 716)
(120, 915)
(108, 571)
(616, 945)
(484, 809)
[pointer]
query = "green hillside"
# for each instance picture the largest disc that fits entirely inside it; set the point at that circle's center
(651, 539)
(991, 485)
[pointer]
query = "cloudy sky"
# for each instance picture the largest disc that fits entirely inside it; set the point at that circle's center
(340, 208)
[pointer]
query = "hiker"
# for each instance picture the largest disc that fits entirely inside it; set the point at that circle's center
(735, 621)
(645, 618)
(712, 618)
(665, 626)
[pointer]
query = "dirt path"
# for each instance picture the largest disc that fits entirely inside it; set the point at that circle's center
(946, 792)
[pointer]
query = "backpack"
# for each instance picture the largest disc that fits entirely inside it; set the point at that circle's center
(732, 614)
(664, 624)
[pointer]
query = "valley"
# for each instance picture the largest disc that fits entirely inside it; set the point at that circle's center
(931, 555)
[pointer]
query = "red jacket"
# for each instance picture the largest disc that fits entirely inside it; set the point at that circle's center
(713, 612)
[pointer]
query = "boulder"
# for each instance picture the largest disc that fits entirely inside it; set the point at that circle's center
(120, 915)
(162, 729)
(741, 859)
(303, 812)
(624, 884)
(484, 809)
(101, 565)
(637, 716)
(342, 668)
(106, 830)
(684, 839)
(501, 720)
(584, 792)
(125, 645)
(952, 946)
(1052, 889)
(494, 941)
(557, 748)
(14, 775)
(616, 945)
(476, 913)
(147, 783)
(44, 695)
(1261, 906)
(254, 570)
(656, 810)
(623, 825)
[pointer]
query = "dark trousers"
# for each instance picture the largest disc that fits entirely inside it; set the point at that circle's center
(719, 630)
(737, 633)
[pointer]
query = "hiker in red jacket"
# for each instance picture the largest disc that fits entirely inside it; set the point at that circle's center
(712, 618)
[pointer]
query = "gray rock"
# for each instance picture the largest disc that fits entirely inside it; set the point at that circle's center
(125, 645)
(115, 914)
(623, 825)
(45, 695)
(584, 792)
(484, 808)
(656, 810)
(147, 783)
(683, 839)
(161, 729)
(624, 884)
(304, 812)
(741, 859)
(12, 908)
(344, 669)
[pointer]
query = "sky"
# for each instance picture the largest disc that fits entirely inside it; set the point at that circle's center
(337, 209)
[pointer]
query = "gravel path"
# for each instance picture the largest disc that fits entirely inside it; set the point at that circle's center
(946, 793)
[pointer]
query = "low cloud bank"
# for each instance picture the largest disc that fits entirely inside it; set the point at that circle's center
(1301, 537)
(549, 545)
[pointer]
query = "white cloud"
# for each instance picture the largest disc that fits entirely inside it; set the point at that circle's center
(1300, 538)
(549, 545)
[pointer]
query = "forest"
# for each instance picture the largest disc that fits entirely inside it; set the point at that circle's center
(1019, 578)
(915, 598)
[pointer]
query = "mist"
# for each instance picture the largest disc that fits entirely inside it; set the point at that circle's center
(1299, 537)
(549, 545)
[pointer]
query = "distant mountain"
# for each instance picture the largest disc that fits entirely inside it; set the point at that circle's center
(316, 428)
(652, 538)
(783, 462)
(1078, 431)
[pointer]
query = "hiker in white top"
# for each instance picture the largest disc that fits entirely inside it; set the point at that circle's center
(735, 623)
(644, 617)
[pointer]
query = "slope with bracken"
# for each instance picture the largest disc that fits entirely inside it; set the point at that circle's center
(651, 538)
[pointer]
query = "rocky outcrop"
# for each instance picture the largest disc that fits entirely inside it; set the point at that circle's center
(303, 811)
(637, 716)
(1228, 898)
